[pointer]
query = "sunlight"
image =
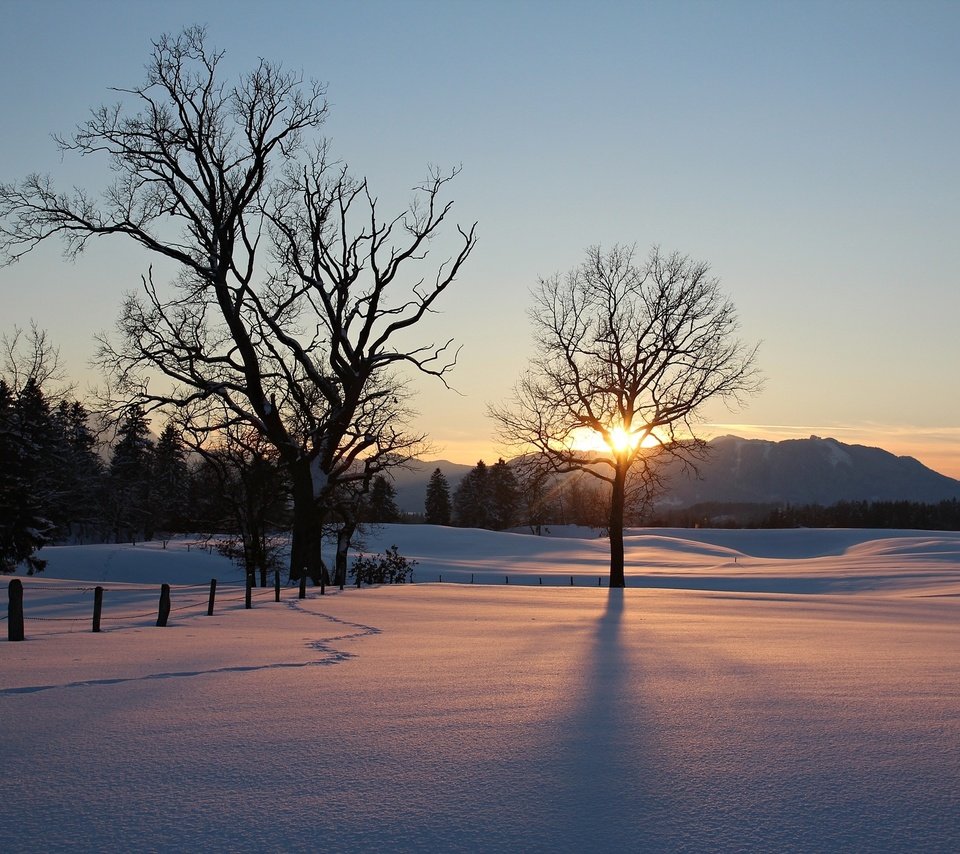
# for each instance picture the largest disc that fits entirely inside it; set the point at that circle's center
(621, 440)
(587, 439)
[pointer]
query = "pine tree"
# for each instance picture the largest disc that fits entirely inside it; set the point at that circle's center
(504, 495)
(437, 505)
(170, 480)
(36, 425)
(381, 503)
(24, 489)
(79, 473)
(129, 487)
(472, 501)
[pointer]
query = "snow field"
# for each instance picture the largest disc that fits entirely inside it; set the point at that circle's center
(815, 716)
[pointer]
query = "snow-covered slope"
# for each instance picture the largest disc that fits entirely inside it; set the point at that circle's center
(821, 716)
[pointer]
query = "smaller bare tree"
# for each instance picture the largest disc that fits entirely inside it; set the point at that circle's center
(249, 485)
(29, 355)
(627, 356)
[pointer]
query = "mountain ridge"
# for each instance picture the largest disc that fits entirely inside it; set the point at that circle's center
(816, 470)
(806, 471)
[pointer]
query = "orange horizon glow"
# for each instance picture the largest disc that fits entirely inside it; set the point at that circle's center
(936, 448)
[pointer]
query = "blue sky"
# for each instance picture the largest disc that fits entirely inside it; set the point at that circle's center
(806, 150)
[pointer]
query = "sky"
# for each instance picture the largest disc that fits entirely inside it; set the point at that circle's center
(806, 150)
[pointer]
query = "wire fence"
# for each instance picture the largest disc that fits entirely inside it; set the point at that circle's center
(71, 605)
(35, 601)
(525, 579)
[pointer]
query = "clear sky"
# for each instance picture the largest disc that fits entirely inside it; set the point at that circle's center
(807, 150)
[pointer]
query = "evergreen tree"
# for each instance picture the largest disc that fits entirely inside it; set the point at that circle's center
(472, 501)
(24, 428)
(78, 513)
(129, 487)
(504, 496)
(437, 504)
(381, 502)
(170, 480)
(44, 452)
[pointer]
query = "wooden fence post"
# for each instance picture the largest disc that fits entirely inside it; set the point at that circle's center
(213, 596)
(276, 585)
(15, 611)
(164, 611)
(248, 596)
(97, 607)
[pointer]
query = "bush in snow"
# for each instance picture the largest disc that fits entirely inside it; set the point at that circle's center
(389, 568)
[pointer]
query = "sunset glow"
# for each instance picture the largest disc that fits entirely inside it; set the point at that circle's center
(620, 440)
(586, 439)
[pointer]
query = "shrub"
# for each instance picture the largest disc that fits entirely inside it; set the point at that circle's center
(389, 568)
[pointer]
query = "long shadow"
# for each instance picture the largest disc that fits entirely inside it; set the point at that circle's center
(604, 791)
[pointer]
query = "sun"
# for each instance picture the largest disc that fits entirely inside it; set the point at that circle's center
(620, 440)
(586, 439)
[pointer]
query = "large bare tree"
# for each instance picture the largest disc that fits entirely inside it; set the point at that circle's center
(627, 354)
(290, 295)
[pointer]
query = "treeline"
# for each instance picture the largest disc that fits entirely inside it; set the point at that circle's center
(59, 483)
(938, 516)
(506, 496)
(503, 496)
(941, 516)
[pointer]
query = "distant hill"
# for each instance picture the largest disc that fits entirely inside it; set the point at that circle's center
(806, 471)
(757, 471)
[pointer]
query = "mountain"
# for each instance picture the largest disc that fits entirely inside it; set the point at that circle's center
(757, 471)
(806, 471)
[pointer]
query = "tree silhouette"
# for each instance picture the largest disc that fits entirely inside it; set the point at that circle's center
(628, 354)
(437, 503)
(293, 290)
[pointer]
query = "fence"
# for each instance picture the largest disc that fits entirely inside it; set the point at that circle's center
(525, 579)
(16, 618)
(16, 613)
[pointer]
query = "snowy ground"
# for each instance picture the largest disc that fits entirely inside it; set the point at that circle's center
(767, 691)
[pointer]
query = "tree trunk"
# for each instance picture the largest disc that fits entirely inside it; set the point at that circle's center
(306, 535)
(618, 491)
(344, 538)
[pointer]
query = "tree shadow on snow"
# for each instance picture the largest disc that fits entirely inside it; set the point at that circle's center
(601, 774)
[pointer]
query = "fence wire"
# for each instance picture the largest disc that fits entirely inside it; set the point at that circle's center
(257, 593)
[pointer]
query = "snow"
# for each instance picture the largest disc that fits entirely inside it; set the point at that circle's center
(750, 690)
(318, 476)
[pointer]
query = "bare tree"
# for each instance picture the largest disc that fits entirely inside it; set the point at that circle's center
(302, 352)
(627, 355)
(247, 489)
(26, 356)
